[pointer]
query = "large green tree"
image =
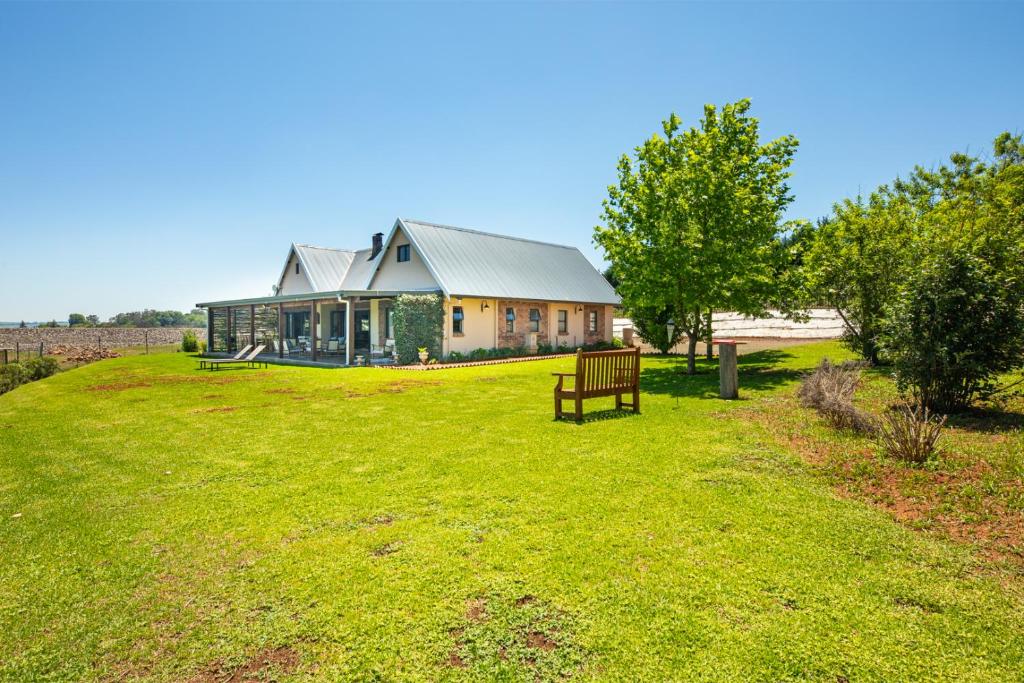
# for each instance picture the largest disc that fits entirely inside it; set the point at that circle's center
(857, 260)
(694, 221)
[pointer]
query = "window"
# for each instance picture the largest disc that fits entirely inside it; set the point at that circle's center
(403, 253)
(457, 320)
(592, 321)
(296, 267)
(510, 320)
(534, 320)
(563, 322)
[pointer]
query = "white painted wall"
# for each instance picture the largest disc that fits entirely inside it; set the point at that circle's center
(411, 274)
(292, 283)
(479, 326)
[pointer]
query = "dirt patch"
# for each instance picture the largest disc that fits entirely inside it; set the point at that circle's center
(266, 665)
(476, 609)
(216, 409)
(455, 660)
(119, 386)
(526, 600)
(540, 641)
(387, 549)
(282, 390)
(390, 388)
(213, 396)
(963, 496)
(382, 520)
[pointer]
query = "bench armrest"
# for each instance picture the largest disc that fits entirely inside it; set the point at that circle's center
(563, 374)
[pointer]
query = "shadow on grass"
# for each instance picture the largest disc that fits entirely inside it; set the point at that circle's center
(987, 420)
(757, 372)
(598, 415)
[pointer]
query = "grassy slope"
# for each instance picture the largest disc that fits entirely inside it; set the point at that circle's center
(384, 524)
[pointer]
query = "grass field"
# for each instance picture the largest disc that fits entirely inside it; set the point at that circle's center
(166, 524)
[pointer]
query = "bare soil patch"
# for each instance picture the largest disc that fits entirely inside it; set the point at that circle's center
(261, 667)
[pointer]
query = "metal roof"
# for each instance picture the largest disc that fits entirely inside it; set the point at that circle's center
(473, 263)
(360, 269)
(325, 268)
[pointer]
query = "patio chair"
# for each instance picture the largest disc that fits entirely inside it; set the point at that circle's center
(281, 346)
(249, 360)
(237, 356)
(333, 346)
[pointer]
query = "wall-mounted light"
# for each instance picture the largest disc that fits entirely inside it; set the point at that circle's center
(579, 308)
(483, 306)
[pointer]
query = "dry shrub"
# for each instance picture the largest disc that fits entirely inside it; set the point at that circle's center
(909, 433)
(829, 390)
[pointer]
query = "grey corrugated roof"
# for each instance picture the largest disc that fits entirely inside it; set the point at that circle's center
(473, 263)
(325, 268)
(360, 269)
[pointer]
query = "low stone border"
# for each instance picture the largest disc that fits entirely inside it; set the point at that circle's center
(475, 363)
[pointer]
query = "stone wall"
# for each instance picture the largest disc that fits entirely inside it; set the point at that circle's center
(521, 336)
(94, 337)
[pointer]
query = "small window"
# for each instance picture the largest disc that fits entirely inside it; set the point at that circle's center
(457, 318)
(296, 267)
(510, 320)
(403, 253)
(592, 321)
(563, 322)
(534, 320)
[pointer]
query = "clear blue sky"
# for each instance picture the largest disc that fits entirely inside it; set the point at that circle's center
(158, 155)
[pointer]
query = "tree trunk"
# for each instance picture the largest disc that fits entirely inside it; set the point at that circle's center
(691, 351)
(709, 351)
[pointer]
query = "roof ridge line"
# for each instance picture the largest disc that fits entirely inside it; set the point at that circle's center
(488, 234)
(316, 246)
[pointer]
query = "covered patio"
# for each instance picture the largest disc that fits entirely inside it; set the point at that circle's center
(322, 328)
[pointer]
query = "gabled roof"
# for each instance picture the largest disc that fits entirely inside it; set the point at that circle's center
(473, 263)
(324, 268)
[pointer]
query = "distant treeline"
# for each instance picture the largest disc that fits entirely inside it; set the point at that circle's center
(146, 318)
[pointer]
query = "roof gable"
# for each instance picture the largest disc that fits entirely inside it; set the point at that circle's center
(323, 268)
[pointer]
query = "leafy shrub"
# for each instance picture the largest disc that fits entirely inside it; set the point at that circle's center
(652, 326)
(419, 320)
(41, 367)
(202, 347)
(909, 433)
(478, 354)
(12, 376)
(956, 327)
(564, 348)
(618, 343)
(455, 357)
(544, 349)
(829, 390)
(189, 341)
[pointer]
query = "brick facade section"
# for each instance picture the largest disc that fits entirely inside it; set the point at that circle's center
(521, 336)
(599, 334)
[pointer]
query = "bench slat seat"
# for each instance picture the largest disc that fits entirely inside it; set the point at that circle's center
(600, 373)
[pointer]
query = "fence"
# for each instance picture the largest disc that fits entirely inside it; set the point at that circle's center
(17, 344)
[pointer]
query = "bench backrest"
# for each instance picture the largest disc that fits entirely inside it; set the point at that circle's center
(606, 372)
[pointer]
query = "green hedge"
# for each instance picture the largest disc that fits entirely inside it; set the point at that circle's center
(419, 321)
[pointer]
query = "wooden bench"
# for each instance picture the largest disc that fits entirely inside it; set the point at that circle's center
(601, 373)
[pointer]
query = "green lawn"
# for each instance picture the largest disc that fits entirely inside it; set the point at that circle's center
(387, 525)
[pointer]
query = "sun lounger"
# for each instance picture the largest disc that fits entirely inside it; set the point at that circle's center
(249, 360)
(238, 356)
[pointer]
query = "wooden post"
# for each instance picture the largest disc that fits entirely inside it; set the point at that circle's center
(312, 328)
(252, 324)
(17, 352)
(229, 345)
(350, 324)
(280, 330)
(209, 330)
(728, 377)
(40, 349)
(145, 331)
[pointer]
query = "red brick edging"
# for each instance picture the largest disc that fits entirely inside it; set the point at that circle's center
(475, 363)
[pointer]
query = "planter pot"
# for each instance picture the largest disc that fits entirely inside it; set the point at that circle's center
(424, 355)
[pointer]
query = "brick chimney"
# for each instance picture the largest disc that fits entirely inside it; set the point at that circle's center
(378, 244)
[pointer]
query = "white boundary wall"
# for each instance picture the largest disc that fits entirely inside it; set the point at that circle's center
(824, 323)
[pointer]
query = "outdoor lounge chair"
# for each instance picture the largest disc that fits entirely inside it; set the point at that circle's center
(249, 360)
(238, 356)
